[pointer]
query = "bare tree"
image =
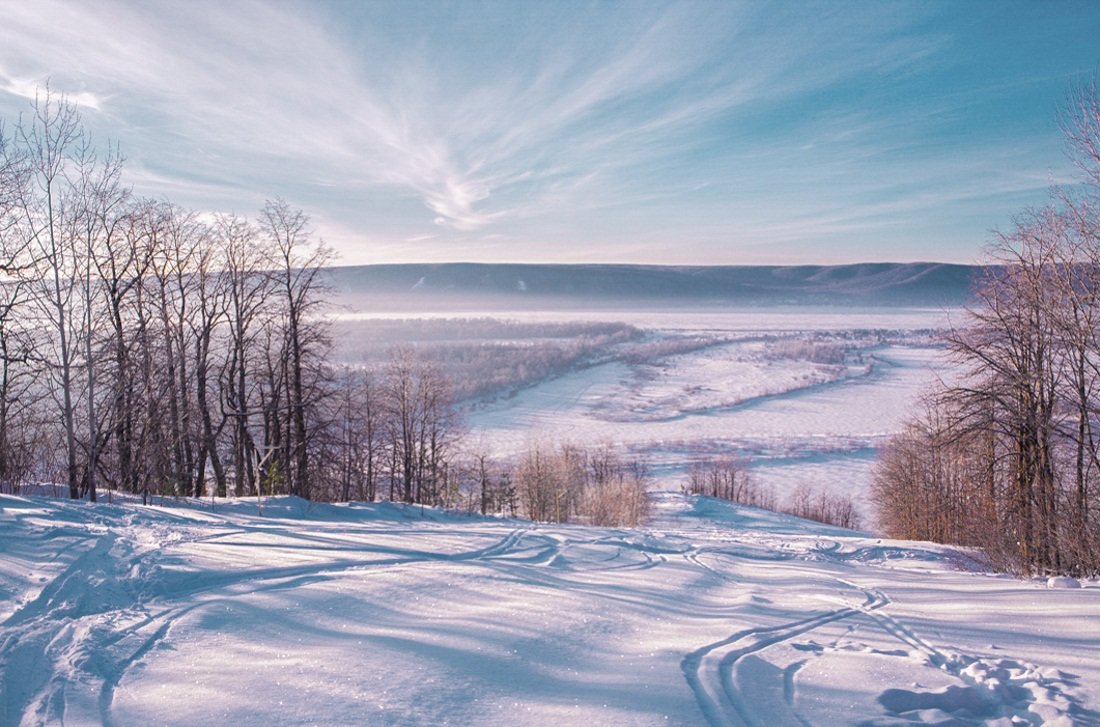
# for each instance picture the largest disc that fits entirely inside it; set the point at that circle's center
(300, 290)
(100, 201)
(1080, 124)
(47, 144)
(17, 391)
(122, 264)
(249, 288)
(1011, 350)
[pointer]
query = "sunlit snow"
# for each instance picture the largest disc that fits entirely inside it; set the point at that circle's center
(385, 615)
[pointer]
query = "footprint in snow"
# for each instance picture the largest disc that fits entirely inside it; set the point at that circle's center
(996, 692)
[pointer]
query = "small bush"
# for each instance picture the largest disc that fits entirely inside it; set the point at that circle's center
(572, 484)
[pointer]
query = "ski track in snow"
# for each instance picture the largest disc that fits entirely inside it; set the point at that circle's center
(94, 618)
(791, 604)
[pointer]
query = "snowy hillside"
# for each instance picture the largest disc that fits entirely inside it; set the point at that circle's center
(381, 615)
(465, 286)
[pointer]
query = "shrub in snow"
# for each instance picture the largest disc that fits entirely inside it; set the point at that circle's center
(575, 484)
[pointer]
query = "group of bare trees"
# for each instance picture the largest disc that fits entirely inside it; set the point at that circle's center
(395, 435)
(1008, 457)
(728, 479)
(147, 349)
(575, 484)
(143, 348)
(731, 479)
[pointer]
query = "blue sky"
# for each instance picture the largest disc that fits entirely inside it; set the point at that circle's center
(694, 133)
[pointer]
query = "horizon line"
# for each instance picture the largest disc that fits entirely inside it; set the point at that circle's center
(656, 265)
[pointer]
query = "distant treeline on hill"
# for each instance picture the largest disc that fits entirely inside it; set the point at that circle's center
(444, 285)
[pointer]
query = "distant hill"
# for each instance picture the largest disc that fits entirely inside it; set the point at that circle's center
(475, 286)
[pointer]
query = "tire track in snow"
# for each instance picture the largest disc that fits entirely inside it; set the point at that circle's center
(1011, 689)
(734, 687)
(112, 679)
(65, 591)
(693, 557)
(284, 579)
(44, 645)
(59, 645)
(709, 670)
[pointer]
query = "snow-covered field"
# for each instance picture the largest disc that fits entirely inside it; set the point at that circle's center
(380, 615)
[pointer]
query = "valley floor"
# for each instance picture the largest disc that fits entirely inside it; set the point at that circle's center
(384, 615)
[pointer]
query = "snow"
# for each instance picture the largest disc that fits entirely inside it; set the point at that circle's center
(796, 403)
(204, 614)
(284, 612)
(1063, 582)
(792, 421)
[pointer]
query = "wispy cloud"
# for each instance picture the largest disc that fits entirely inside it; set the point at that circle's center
(33, 89)
(430, 124)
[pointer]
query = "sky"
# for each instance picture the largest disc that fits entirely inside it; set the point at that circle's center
(558, 131)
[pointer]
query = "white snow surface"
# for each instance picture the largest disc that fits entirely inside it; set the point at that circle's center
(713, 614)
(791, 421)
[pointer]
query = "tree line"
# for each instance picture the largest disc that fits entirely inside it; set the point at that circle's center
(484, 358)
(148, 349)
(1007, 458)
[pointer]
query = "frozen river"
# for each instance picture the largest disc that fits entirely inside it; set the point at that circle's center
(793, 421)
